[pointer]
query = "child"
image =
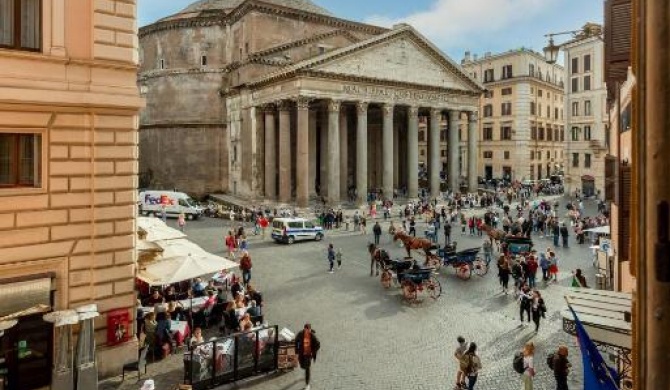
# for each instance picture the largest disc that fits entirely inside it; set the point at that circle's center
(338, 257)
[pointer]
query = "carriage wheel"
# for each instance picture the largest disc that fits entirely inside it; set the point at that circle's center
(433, 287)
(434, 261)
(464, 271)
(480, 267)
(409, 290)
(386, 278)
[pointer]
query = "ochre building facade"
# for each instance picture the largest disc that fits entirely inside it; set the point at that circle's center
(68, 174)
(283, 101)
(522, 132)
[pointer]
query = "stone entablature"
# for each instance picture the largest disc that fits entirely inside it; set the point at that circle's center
(351, 92)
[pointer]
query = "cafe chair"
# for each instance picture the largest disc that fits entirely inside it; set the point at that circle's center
(139, 365)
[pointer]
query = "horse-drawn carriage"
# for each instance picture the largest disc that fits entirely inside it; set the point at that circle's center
(517, 245)
(412, 278)
(465, 262)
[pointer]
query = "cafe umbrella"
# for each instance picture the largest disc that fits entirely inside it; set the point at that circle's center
(183, 267)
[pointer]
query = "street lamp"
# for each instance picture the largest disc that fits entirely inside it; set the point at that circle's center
(551, 51)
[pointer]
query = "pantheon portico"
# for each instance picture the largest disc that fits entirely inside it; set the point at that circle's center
(348, 121)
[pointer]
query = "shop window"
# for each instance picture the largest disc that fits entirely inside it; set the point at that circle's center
(20, 160)
(21, 24)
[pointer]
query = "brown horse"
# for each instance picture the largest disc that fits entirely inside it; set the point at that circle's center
(496, 235)
(417, 243)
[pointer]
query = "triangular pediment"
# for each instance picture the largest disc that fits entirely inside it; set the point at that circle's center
(403, 58)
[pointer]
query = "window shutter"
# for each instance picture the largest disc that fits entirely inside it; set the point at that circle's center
(625, 207)
(618, 34)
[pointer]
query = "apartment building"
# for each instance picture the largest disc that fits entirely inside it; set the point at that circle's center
(68, 178)
(586, 112)
(522, 131)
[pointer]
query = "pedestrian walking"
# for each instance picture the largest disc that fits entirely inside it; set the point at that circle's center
(553, 267)
(263, 223)
(163, 214)
(488, 251)
(331, 257)
(460, 351)
(377, 231)
(556, 231)
(503, 273)
(307, 346)
(245, 266)
(564, 234)
(528, 366)
(531, 268)
(181, 221)
(525, 301)
(538, 309)
(447, 232)
(544, 264)
(364, 225)
(230, 244)
(412, 227)
(470, 364)
(560, 365)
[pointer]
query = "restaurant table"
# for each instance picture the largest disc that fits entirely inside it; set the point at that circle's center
(198, 303)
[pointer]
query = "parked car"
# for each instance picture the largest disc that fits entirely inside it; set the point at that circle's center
(290, 230)
(152, 202)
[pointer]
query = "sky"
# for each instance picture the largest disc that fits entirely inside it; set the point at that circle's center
(453, 25)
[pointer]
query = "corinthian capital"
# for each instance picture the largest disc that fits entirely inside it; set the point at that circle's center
(303, 103)
(334, 106)
(362, 107)
(284, 105)
(413, 110)
(387, 108)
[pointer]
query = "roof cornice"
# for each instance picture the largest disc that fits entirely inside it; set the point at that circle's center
(236, 14)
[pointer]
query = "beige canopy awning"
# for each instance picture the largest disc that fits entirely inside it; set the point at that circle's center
(606, 316)
(183, 267)
(153, 229)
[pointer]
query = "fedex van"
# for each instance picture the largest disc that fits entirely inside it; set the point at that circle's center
(290, 230)
(175, 203)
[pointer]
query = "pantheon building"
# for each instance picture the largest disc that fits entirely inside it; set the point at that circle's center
(280, 100)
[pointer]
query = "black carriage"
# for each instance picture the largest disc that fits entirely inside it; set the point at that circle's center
(413, 279)
(514, 245)
(466, 262)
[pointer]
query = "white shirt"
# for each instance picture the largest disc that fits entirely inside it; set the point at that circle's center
(528, 365)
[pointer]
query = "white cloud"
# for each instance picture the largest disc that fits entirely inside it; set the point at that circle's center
(448, 22)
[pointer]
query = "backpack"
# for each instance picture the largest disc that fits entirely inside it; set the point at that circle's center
(517, 363)
(550, 360)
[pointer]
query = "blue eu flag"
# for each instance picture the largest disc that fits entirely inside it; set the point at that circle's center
(597, 375)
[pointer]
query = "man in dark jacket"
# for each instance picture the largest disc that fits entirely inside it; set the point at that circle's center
(561, 367)
(307, 346)
(564, 235)
(447, 233)
(377, 231)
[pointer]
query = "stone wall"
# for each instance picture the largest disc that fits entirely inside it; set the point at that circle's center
(191, 159)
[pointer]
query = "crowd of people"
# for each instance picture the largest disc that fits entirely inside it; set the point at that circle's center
(469, 364)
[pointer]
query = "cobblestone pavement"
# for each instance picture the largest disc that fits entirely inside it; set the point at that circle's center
(371, 338)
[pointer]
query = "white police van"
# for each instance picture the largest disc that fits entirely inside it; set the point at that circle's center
(290, 230)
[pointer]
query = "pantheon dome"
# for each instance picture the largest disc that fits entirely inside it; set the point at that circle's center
(204, 7)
